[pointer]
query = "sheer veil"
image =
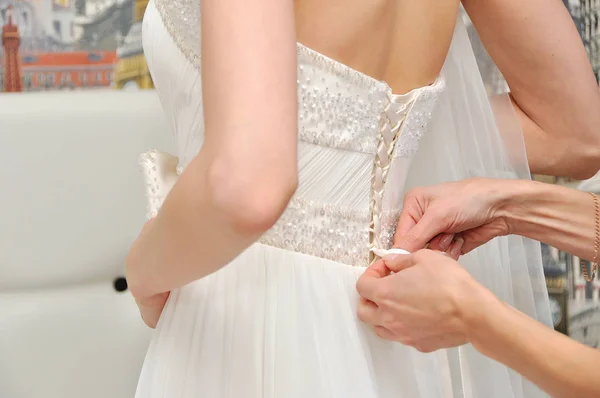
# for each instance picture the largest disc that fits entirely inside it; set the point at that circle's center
(470, 137)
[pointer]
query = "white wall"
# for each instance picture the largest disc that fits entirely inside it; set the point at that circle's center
(71, 203)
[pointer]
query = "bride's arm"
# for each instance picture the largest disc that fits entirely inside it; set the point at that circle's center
(241, 181)
(555, 95)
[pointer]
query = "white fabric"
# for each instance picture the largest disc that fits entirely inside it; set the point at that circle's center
(280, 321)
(464, 141)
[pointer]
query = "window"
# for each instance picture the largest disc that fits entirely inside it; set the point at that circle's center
(57, 29)
(65, 79)
(27, 80)
(50, 79)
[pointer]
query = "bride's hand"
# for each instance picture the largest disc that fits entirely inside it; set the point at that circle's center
(453, 217)
(150, 307)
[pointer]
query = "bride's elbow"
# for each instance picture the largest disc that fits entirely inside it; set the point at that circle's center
(252, 202)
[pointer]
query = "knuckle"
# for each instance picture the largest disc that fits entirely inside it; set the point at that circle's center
(397, 326)
(413, 194)
(388, 320)
(362, 313)
(406, 340)
(384, 294)
(360, 285)
(380, 332)
(409, 239)
(442, 215)
(423, 348)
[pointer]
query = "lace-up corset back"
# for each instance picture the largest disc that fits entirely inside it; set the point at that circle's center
(356, 140)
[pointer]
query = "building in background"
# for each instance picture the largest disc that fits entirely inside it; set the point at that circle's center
(588, 12)
(571, 296)
(68, 70)
(555, 272)
(11, 41)
(574, 7)
(45, 25)
(581, 290)
(37, 71)
(131, 70)
(100, 24)
(73, 44)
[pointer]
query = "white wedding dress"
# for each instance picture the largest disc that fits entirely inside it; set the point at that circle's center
(280, 320)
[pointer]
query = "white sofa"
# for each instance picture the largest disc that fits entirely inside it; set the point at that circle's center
(71, 203)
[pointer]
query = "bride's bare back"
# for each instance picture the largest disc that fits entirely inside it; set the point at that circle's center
(403, 42)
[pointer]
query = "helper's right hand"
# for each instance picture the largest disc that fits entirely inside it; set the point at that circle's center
(454, 217)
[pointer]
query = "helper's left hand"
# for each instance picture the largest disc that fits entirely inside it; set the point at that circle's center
(425, 303)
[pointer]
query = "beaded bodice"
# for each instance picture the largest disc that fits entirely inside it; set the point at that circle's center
(356, 138)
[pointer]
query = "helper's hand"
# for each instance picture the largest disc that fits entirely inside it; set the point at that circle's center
(453, 217)
(427, 303)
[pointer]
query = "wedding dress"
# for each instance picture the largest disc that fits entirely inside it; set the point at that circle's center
(280, 320)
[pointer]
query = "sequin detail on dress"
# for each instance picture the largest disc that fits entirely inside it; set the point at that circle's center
(182, 20)
(345, 110)
(339, 107)
(331, 113)
(418, 119)
(325, 231)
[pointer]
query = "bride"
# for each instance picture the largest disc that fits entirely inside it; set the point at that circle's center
(291, 166)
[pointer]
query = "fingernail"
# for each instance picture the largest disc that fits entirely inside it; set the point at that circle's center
(456, 248)
(390, 258)
(446, 241)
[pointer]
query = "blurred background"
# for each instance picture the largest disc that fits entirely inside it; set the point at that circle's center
(76, 109)
(73, 44)
(575, 303)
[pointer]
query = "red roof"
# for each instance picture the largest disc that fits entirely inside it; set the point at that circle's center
(69, 58)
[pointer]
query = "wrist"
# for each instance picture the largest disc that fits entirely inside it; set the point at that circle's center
(516, 202)
(478, 306)
(136, 262)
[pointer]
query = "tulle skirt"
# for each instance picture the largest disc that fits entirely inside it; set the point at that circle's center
(280, 324)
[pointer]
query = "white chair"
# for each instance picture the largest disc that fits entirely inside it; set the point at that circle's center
(71, 203)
